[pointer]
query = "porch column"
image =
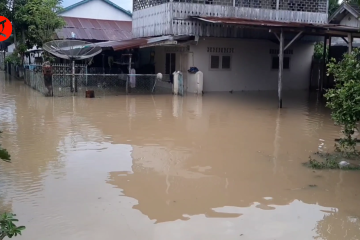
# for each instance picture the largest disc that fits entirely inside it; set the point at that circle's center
(350, 41)
(323, 75)
(281, 65)
(328, 60)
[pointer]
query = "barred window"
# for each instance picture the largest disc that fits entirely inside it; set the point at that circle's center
(275, 63)
(220, 62)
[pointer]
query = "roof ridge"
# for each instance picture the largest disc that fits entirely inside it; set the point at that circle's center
(96, 19)
(127, 12)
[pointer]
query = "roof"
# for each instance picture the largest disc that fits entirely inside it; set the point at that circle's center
(144, 42)
(106, 1)
(121, 45)
(309, 28)
(340, 13)
(95, 30)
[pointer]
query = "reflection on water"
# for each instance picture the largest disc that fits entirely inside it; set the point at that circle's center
(221, 166)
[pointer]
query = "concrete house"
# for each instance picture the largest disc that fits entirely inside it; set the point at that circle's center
(239, 45)
(229, 47)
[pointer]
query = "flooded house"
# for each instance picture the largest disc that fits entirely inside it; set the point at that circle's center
(230, 44)
(239, 45)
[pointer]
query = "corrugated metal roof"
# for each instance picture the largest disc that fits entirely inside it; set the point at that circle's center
(133, 43)
(121, 45)
(95, 30)
(278, 24)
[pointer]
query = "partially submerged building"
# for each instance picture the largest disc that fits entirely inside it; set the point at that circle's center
(239, 44)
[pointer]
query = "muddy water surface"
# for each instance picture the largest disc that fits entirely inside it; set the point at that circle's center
(222, 166)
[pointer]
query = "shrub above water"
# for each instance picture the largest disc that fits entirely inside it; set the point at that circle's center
(344, 98)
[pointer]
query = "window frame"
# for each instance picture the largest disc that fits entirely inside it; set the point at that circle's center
(220, 62)
(277, 69)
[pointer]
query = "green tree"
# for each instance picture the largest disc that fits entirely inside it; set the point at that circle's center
(344, 98)
(333, 5)
(40, 16)
(34, 21)
(319, 51)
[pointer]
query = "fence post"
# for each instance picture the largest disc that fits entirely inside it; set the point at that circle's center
(52, 85)
(127, 84)
(86, 76)
(73, 77)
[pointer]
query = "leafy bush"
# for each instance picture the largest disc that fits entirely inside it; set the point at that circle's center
(7, 226)
(344, 99)
(319, 51)
(13, 58)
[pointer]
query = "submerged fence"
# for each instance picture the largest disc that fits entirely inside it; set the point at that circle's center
(63, 83)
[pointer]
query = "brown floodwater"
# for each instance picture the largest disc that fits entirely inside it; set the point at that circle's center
(222, 166)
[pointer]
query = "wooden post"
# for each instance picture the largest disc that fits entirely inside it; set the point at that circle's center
(350, 41)
(73, 77)
(328, 60)
(281, 65)
(324, 65)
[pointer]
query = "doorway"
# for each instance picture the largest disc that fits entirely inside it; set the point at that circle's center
(170, 64)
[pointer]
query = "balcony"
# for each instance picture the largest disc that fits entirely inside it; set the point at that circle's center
(164, 17)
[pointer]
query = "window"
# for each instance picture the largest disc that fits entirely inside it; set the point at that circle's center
(220, 62)
(275, 63)
(215, 62)
(226, 62)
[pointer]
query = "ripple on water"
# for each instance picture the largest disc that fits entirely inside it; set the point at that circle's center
(222, 166)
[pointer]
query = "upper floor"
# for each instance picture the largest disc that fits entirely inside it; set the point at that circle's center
(163, 17)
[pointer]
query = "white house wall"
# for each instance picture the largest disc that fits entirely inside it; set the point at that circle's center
(350, 20)
(97, 9)
(250, 65)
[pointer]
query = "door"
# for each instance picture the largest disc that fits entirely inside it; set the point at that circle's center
(170, 63)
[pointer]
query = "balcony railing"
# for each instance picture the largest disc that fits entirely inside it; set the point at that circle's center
(315, 6)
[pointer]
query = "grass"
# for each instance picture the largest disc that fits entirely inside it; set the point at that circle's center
(332, 160)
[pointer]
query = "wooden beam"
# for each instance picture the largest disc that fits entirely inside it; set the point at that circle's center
(281, 66)
(293, 40)
(350, 39)
(277, 36)
(346, 41)
(324, 65)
